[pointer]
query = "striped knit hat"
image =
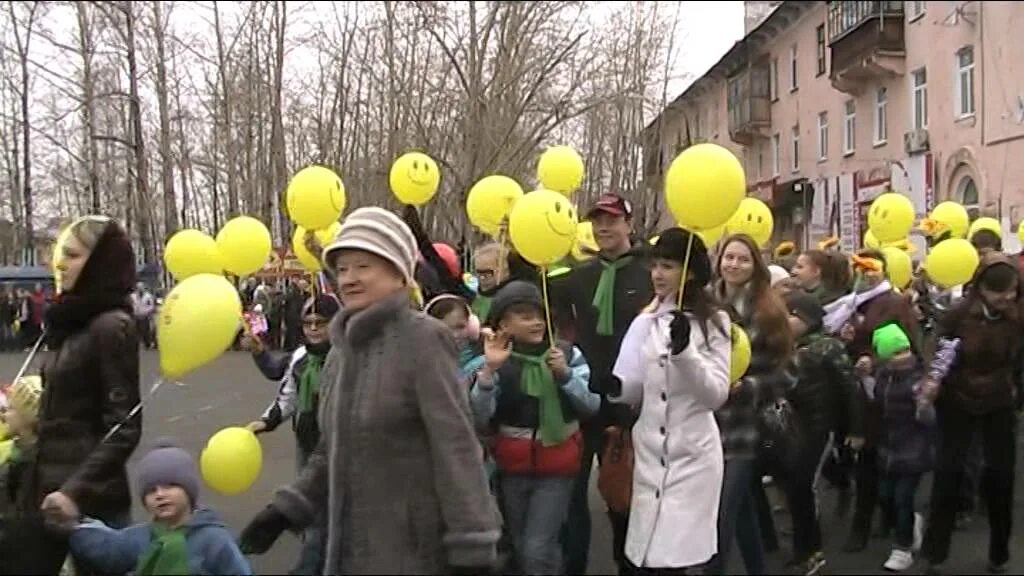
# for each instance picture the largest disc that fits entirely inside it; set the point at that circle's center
(379, 232)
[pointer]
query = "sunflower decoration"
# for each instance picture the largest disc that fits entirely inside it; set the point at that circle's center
(828, 243)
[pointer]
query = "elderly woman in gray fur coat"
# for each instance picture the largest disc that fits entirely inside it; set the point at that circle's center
(398, 470)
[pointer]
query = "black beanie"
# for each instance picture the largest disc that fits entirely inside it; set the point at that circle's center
(672, 245)
(807, 308)
(325, 305)
(511, 294)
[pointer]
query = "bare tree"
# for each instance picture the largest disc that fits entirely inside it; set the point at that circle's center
(159, 27)
(22, 26)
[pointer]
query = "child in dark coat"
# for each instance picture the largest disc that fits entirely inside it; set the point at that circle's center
(906, 447)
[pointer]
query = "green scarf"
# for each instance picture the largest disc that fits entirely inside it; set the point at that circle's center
(481, 306)
(309, 382)
(604, 296)
(167, 554)
(538, 382)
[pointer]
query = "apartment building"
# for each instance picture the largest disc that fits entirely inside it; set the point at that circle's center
(828, 104)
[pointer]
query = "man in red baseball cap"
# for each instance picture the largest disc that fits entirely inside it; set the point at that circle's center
(600, 298)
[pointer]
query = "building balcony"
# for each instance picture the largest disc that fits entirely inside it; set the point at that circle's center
(749, 105)
(867, 42)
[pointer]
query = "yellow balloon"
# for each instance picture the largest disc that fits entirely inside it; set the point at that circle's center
(190, 252)
(560, 168)
(585, 246)
(898, 267)
(315, 197)
(414, 178)
(704, 186)
(231, 461)
(739, 359)
(891, 216)
(1020, 231)
(953, 216)
(951, 263)
(244, 244)
(325, 235)
(490, 200)
(542, 227)
(712, 235)
(985, 223)
(198, 322)
(870, 241)
(753, 218)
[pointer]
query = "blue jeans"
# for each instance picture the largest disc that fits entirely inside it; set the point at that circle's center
(737, 517)
(535, 509)
(896, 494)
(311, 556)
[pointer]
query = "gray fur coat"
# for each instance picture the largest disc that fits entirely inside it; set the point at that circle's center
(398, 468)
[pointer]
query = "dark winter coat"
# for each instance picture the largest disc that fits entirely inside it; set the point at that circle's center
(907, 437)
(826, 395)
(399, 470)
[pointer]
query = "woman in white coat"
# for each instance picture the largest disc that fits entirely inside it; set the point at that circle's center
(675, 366)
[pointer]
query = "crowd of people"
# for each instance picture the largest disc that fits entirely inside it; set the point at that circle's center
(444, 430)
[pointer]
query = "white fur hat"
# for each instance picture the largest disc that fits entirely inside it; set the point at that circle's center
(379, 232)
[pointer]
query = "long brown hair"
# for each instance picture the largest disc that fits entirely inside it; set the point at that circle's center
(834, 268)
(769, 312)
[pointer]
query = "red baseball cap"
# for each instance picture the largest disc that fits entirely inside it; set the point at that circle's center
(612, 204)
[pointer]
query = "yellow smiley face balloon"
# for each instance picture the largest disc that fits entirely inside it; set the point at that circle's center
(414, 178)
(891, 216)
(542, 227)
(315, 197)
(754, 219)
(586, 245)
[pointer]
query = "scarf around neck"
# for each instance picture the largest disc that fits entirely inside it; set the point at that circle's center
(167, 553)
(537, 381)
(839, 312)
(604, 295)
(309, 381)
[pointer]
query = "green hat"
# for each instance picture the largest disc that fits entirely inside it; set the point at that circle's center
(889, 340)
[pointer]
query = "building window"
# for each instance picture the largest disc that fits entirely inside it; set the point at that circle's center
(849, 127)
(919, 98)
(776, 170)
(967, 195)
(914, 10)
(792, 68)
(795, 163)
(773, 79)
(822, 136)
(965, 82)
(821, 49)
(881, 119)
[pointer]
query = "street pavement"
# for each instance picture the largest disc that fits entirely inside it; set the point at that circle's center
(232, 392)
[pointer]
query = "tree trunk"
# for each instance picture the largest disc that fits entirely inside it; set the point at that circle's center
(23, 43)
(166, 160)
(230, 157)
(87, 48)
(143, 213)
(279, 166)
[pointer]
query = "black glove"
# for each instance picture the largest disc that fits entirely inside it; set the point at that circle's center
(679, 331)
(262, 531)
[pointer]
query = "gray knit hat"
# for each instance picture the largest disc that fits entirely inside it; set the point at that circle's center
(379, 232)
(167, 464)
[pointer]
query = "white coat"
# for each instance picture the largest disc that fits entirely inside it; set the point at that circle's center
(677, 476)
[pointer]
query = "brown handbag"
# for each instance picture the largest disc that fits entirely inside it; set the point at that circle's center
(615, 475)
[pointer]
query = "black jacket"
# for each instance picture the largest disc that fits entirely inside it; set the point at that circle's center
(572, 297)
(826, 394)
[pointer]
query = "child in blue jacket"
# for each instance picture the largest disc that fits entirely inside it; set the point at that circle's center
(181, 538)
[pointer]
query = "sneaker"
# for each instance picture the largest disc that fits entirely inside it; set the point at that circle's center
(899, 560)
(918, 532)
(814, 563)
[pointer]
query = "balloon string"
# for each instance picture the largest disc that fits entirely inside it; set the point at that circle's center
(547, 304)
(686, 268)
(28, 359)
(502, 250)
(135, 410)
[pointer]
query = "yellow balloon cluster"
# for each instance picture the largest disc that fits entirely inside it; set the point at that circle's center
(490, 200)
(198, 322)
(560, 168)
(324, 236)
(315, 197)
(753, 218)
(704, 186)
(891, 217)
(244, 244)
(542, 227)
(190, 252)
(231, 461)
(414, 178)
